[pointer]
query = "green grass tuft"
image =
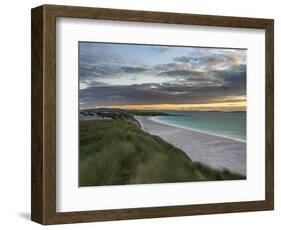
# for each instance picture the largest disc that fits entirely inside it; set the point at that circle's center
(116, 152)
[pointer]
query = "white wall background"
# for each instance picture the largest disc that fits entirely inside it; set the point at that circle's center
(15, 113)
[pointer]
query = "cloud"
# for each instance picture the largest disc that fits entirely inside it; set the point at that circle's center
(233, 83)
(109, 76)
(96, 70)
(129, 69)
(211, 60)
(186, 75)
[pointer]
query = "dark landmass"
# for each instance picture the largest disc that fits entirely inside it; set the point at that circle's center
(131, 112)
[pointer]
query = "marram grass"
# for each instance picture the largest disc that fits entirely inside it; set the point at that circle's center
(116, 152)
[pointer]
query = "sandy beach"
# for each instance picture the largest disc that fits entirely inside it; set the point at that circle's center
(217, 152)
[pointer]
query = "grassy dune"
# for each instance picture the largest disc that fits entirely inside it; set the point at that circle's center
(116, 152)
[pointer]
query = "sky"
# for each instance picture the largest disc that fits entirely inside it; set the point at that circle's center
(155, 77)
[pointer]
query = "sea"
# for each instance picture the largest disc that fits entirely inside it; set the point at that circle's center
(225, 124)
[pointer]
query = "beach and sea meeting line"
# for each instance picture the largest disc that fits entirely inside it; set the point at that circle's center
(225, 124)
(161, 114)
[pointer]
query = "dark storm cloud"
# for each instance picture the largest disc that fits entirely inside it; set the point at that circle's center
(234, 78)
(233, 84)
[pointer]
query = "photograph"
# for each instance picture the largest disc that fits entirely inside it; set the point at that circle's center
(141, 114)
(161, 114)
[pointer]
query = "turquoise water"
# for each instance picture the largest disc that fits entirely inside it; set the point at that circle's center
(226, 124)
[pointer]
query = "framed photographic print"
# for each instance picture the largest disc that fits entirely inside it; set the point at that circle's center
(141, 114)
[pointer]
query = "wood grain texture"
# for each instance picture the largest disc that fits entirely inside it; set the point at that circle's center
(37, 115)
(44, 114)
(269, 116)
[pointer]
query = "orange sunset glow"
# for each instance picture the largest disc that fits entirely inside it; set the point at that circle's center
(223, 106)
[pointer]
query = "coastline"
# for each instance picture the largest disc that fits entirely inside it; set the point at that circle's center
(195, 130)
(210, 149)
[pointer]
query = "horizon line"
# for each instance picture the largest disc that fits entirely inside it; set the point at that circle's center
(220, 106)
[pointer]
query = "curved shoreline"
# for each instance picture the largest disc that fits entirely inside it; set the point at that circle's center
(214, 151)
(195, 130)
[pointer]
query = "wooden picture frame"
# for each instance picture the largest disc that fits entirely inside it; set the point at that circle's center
(43, 207)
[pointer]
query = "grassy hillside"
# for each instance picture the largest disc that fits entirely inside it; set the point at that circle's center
(116, 152)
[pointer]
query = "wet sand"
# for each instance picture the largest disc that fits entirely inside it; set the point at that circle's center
(214, 151)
